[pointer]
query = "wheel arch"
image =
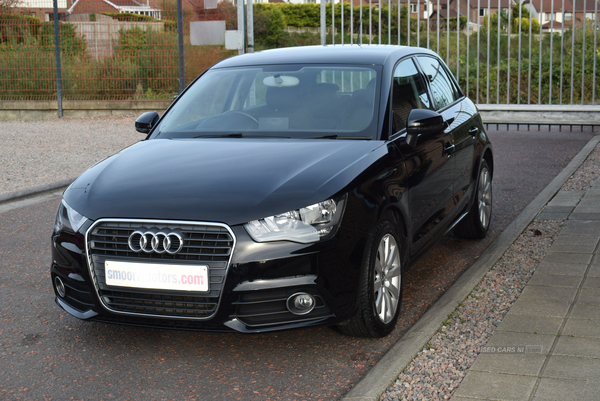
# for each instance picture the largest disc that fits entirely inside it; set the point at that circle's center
(396, 216)
(489, 158)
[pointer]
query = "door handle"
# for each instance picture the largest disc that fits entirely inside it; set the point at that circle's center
(449, 149)
(473, 131)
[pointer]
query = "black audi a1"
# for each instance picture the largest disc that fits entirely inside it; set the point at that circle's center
(282, 189)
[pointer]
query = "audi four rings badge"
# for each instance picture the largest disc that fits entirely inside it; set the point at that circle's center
(159, 242)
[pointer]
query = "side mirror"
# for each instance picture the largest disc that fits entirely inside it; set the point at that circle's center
(146, 122)
(422, 122)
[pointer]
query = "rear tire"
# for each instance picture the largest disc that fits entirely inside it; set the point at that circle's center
(380, 291)
(476, 224)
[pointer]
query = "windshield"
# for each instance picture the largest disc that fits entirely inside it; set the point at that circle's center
(296, 101)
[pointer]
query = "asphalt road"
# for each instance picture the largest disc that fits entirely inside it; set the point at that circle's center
(47, 354)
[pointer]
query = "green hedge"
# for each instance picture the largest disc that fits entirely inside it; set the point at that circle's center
(271, 18)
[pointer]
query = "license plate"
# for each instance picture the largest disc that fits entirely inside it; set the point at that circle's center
(156, 276)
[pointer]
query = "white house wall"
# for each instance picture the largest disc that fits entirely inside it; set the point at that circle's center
(42, 3)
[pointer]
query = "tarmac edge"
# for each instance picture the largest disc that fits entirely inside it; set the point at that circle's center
(385, 372)
(31, 192)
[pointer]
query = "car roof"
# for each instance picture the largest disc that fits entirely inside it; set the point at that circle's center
(332, 54)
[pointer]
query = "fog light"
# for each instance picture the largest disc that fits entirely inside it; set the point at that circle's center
(60, 287)
(301, 303)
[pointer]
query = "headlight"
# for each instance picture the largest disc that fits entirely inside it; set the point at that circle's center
(309, 224)
(68, 218)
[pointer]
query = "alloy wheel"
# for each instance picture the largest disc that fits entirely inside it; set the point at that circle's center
(387, 279)
(484, 197)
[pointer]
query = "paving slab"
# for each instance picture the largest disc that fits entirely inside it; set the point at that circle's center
(564, 389)
(573, 269)
(571, 367)
(569, 258)
(555, 216)
(562, 195)
(584, 216)
(518, 339)
(555, 280)
(531, 324)
(520, 364)
(576, 227)
(542, 308)
(578, 346)
(575, 239)
(496, 386)
(589, 205)
(548, 294)
(583, 328)
(558, 209)
(594, 190)
(589, 296)
(586, 310)
(575, 244)
(594, 271)
(592, 282)
(567, 198)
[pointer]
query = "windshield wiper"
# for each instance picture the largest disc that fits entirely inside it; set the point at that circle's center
(230, 135)
(336, 136)
(238, 135)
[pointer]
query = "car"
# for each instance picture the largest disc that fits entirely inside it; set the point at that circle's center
(282, 189)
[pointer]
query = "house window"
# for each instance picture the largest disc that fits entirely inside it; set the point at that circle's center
(550, 16)
(482, 12)
(414, 8)
(568, 16)
(591, 16)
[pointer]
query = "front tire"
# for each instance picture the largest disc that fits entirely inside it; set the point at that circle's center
(380, 292)
(476, 224)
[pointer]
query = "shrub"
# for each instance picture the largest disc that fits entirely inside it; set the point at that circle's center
(269, 24)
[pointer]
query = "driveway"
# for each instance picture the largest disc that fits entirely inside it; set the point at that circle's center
(47, 354)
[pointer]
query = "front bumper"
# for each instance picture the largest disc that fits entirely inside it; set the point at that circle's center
(252, 297)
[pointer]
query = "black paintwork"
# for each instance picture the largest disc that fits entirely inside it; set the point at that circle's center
(226, 180)
(427, 185)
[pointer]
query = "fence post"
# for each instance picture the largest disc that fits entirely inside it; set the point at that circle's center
(250, 23)
(58, 64)
(240, 25)
(180, 46)
(323, 22)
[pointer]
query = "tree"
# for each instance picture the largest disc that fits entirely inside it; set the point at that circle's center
(535, 27)
(9, 6)
(269, 24)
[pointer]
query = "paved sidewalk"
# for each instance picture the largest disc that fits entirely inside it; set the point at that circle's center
(548, 345)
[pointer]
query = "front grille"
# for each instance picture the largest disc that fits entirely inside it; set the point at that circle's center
(203, 244)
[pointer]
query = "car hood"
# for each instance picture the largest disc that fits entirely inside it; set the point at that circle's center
(221, 180)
